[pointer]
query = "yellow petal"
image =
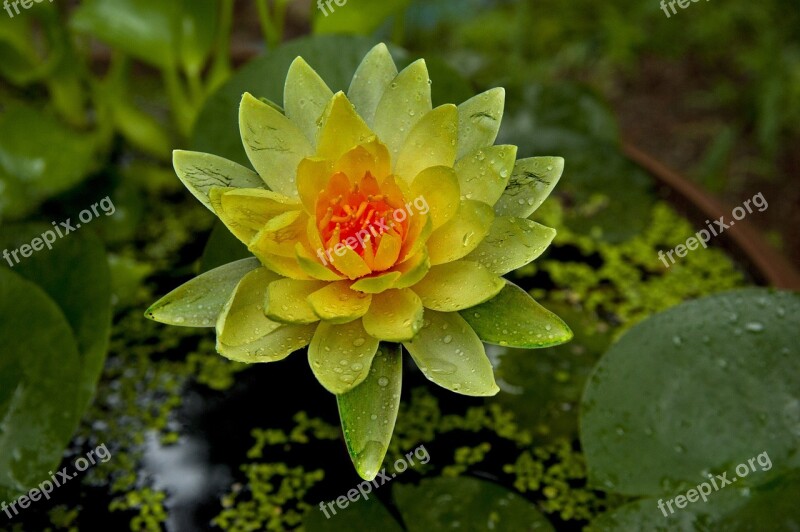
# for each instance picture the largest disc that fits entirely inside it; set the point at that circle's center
(305, 97)
(462, 234)
(280, 234)
(394, 315)
(274, 145)
(254, 208)
(342, 129)
(284, 266)
(286, 301)
(341, 355)
(457, 285)
(348, 262)
(372, 77)
(275, 346)
(479, 120)
(376, 284)
(405, 102)
(438, 187)
(313, 265)
(432, 142)
(242, 320)
(388, 251)
(483, 174)
(413, 270)
(337, 303)
(312, 177)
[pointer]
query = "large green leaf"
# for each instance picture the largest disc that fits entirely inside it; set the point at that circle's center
(699, 388)
(75, 274)
(475, 505)
(39, 157)
(359, 17)
(367, 514)
(40, 376)
(731, 509)
(369, 411)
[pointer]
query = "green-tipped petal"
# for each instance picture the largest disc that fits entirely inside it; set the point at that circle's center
(199, 172)
(376, 284)
(449, 353)
(413, 270)
(369, 411)
(483, 174)
(513, 318)
(340, 355)
(280, 235)
(511, 244)
(274, 145)
(462, 234)
(457, 285)
(373, 76)
(312, 265)
(432, 142)
(405, 102)
(341, 129)
(286, 301)
(531, 182)
(275, 346)
(438, 187)
(243, 321)
(199, 302)
(479, 120)
(394, 315)
(337, 303)
(305, 97)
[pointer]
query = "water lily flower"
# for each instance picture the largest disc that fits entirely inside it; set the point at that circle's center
(375, 221)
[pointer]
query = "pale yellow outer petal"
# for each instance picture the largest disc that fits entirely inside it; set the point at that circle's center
(337, 303)
(305, 97)
(394, 315)
(483, 175)
(479, 120)
(286, 301)
(372, 77)
(511, 244)
(274, 145)
(449, 353)
(200, 172)
(432, 142)
(341, 355)
(462, 234)
(405, 102)
(457, 286)
(242, 320)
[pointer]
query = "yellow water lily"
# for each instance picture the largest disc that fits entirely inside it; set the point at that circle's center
(375, 220)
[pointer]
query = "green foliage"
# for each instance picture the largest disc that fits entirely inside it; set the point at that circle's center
(39, 398)
(711, 377)
(476, 505)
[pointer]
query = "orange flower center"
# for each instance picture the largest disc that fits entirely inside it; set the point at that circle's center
(357, 215)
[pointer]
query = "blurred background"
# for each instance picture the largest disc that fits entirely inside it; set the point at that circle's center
(664, 122)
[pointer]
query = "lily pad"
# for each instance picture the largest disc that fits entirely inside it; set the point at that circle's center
(40, 377)
(695, 390)
(76, 275)
(465, 503)
(367, 514)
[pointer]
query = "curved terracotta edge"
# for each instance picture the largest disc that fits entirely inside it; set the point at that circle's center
(772, 265)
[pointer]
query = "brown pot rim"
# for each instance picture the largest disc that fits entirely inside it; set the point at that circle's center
(749, 243)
